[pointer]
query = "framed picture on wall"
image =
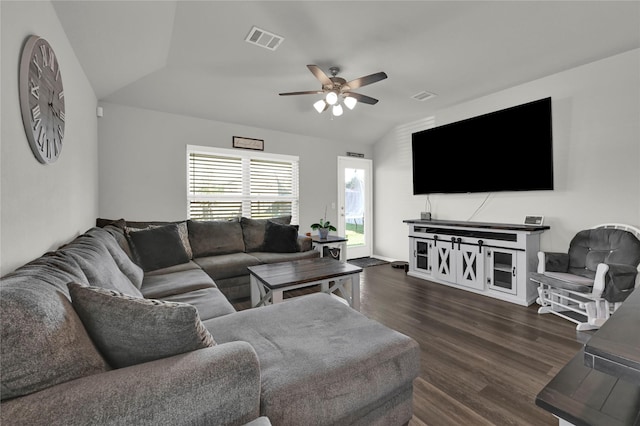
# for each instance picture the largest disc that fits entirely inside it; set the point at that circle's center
(248, 143)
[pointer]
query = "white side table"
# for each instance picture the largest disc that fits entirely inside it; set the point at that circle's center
(331, 241)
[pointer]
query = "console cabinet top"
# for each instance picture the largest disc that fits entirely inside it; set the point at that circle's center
(479, 225)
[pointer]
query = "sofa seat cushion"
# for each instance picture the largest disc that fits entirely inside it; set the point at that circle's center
(175, 268)
(227, 265)
(165, 285)
(321, 362)
(267, 257)
(44, 342)
(210, 302)
(132, 330)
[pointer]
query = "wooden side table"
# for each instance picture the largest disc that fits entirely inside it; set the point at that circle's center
(331, 241)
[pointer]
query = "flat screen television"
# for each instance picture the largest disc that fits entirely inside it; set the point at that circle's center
(506, 150)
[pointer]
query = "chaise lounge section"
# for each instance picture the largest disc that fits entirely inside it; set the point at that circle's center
(311, 360)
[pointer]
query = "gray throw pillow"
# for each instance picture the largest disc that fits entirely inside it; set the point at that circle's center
(182, 230)
(158, 247)
(129, 330)
(280, 238)
(253, 231)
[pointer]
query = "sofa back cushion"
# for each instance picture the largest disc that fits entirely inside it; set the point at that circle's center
(122, 259)
(210, 238)
(253, 231)
(44, 342)
(99, 267)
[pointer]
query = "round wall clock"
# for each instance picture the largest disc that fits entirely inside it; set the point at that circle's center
(42, 99)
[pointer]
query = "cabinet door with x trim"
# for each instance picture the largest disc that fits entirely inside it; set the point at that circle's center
(460, 263)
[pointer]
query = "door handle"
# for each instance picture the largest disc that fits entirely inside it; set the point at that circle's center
(453, 243)
(480, 243)
(459, 242)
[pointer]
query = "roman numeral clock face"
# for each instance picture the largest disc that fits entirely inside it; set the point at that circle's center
(42, 99)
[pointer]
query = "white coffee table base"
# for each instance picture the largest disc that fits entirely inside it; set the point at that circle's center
(262, 295)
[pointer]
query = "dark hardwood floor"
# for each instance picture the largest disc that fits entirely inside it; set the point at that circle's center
(483, 360)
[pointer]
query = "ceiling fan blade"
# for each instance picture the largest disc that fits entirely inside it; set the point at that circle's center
(320, 75)
(369, 79)
(362, 98)
(308, 92)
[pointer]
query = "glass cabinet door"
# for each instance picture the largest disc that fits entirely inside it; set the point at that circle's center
(502, 270)
(422, 253)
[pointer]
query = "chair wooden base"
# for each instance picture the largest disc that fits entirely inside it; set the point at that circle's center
(586, 313)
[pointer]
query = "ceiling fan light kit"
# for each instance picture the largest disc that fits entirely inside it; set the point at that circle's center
(337, 91)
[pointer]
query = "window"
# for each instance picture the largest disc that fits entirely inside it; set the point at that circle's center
(224, 184)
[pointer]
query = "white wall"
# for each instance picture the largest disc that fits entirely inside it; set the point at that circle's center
(42, 206)
(143, 164)
(596, 137)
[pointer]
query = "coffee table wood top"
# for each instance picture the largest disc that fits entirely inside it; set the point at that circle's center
(277, 275)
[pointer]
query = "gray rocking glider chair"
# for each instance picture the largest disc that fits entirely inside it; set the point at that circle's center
(587, 284)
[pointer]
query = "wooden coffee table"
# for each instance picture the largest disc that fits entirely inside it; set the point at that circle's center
(268, 282)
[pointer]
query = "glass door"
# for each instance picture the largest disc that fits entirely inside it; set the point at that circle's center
(354, 205)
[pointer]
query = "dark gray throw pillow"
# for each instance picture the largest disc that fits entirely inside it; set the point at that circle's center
(280, 238)
(253, 231)
(130, 330)
(158, 247)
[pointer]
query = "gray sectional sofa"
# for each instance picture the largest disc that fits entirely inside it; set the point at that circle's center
(224, 249)
(108, 329)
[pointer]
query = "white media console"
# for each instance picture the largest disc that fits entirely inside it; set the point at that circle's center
(493, 259)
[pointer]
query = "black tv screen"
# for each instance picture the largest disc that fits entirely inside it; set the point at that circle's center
(506, 150)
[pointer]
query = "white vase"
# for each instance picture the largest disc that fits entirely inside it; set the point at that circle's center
(323, 233)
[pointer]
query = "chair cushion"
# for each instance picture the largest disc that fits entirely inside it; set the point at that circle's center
(320, 359)
(564, 280)
(209, 238)
(603, 245)
(131, 330)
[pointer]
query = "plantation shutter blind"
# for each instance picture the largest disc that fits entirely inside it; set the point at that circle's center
(225, 185)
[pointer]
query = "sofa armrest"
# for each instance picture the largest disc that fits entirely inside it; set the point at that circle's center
(218, 385)
(552, 262)
(304, 243)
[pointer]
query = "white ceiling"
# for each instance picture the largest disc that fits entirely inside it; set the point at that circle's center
(190, 57)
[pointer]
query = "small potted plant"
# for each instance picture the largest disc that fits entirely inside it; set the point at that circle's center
(323, 226)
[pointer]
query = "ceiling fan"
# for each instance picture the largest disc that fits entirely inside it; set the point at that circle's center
(337, 90)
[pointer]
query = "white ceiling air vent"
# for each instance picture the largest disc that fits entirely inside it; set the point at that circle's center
(263, 38)
(423, 96)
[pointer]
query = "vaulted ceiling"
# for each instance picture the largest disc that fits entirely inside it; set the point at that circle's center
(191, 58)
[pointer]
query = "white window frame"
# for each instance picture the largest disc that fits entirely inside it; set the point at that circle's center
(246, 198)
